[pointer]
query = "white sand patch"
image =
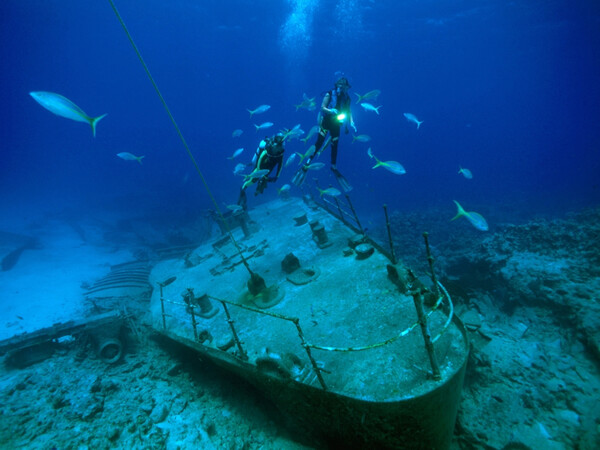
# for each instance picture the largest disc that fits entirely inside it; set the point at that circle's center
(44, 287)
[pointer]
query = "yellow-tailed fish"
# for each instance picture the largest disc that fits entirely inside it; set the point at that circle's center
(316, 166)
(261, 109)
(283, 189)
(291, 159)
(369, 107)
(237, 153)
(412, 118)
(329, 191)
(476, 219)
(465, 173)
(361, 138)
(308, 153)
(130, 157)
(256, 174)
(369, 95)
(263, 126)
(308, 103)
(392, 166)
(311, 133)
(62, 106)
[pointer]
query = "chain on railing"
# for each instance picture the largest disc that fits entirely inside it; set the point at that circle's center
(307, 346)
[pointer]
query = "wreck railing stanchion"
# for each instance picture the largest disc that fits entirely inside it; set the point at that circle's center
(194, 323)
(238, 343)
(430, 260)
(417, 296)
(308, 352)
(389, 232)
(354, 213)
(337, 203)
(162, 299)
(162, 308)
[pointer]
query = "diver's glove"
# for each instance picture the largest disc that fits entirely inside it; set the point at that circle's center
(334, 111)
(353, 126)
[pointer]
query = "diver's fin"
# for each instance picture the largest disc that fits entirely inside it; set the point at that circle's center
(300, 176)
(347, 187)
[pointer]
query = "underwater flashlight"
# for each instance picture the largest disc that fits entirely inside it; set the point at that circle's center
(341, 117)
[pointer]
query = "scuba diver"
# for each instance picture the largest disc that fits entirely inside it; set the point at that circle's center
(335, 111)
(268, 155)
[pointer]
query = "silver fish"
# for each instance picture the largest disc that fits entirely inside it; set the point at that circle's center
(237, 153)
(316, 166)
(238, 169)
(369, 107)
(290, 159)
(476, 219)
(261, 109)
(465, 173)
(311, 133)
(329, 191)
(412, 118)
(130, 157)
(361, 138)
(62, 106)
(369, 95)
(263, 126)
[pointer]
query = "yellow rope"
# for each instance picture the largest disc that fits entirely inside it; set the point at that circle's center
(187, 148)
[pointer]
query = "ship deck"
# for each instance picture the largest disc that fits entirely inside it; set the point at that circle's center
(350, 303)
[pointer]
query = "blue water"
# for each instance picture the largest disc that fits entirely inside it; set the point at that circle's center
(509, 90)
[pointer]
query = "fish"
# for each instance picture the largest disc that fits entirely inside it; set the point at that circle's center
(255, 174)
(393, 166)
(370, 153)
(292, 133)
(476, 219)
(307, 103)
(329, 191)
(369, 107)
(465, 173)
(234, 208)
(261, 109)
(361, 138)
(412, 118)
(314, 130)
(62, 106)
(283, 189)
(263, 126)
(368, 96)
(290, 159)
(129, 157)
(237, 133)
(309, 152)
(237, 153)
(238, 169)
(316, 166)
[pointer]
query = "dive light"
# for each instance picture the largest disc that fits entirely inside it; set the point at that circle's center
(340, 117)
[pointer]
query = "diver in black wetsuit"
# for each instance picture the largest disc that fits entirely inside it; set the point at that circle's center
(335, 111)
(269, 154)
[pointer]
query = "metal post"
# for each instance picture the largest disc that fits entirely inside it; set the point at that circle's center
(162, 300)
(430, 260)
(418, 300)
(193, 321)
(243, 354)
(354, 213)
(389, 232)
(162, 307)
(337, 203)
(308, 352)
